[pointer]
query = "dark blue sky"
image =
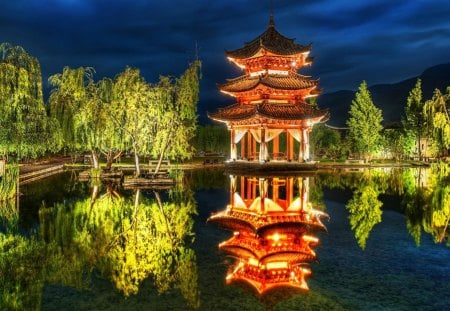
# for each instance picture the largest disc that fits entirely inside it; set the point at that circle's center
(377, 40)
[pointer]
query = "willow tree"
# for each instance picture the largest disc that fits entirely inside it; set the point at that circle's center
(436, 112)
(23, 118)
(113, 141)
(177, 115)
(131, 112)
(365, 123)
(66, 99)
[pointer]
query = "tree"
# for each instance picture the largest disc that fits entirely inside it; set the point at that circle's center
(364, 123)
(132, 112)
(23, 118)
(177, 115)
(325, 142)
(66, 99)
(414, 119)
(436, 112)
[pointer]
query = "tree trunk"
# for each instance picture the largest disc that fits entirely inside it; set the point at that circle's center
(110, 157)
(95, 160)
(136, 162)
(2, 167)
(161, 209)
(161, 156)
(109, 160)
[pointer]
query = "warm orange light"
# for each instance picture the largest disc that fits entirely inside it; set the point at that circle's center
(309, 238)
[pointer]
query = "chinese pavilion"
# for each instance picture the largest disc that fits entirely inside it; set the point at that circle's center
(271, 99)
(273, 225)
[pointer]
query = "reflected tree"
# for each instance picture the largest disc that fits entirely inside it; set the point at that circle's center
(364, 210)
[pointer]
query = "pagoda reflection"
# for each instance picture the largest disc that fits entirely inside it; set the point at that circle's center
(274, 227)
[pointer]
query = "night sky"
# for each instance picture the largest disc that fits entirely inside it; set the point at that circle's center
(380, 41)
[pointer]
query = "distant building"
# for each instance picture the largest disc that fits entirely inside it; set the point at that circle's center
(271, 100)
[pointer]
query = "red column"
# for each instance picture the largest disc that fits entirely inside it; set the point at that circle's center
(276, 146)
(243, 147)
(233, 153)
(249, 145)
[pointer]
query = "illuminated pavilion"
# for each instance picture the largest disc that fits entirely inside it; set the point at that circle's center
(273, 225)
(271, 100)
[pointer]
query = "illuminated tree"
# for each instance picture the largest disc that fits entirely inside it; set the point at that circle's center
(67, 97)
(132, 113)
(23, 118)
(176, 107)
(364, 123)
(436, 112)
(414, 119)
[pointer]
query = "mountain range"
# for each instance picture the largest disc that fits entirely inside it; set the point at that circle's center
(390, 98)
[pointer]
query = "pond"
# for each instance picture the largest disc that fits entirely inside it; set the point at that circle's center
(329, 240)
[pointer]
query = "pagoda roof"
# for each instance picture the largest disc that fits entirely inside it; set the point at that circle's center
(291, 81)
(252, 222)
(237, 112)
(270, 40)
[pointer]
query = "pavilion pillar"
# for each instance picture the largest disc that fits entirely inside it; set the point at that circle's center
(305, 144)
(275, 190)
(289, 146)
(253, 147)
(249, 145)
(232, 189)
(263, 146)
(243, 188)
(262, 193)
(301, 150)
(289, 191)
(304, 192)
(233, 152)
(276, 146)
(243, 147)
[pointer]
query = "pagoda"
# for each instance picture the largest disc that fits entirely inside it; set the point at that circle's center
(274, 226)
(271, 100)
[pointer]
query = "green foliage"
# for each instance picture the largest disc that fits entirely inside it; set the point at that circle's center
(364, 211)
(128, 241)
(212, 138)
(66, 100)
(23, 119)
(364, 123)
(436, 112)
(22, 274)
(326, 142)
(177, 114)
(8, 182)
(414, 120)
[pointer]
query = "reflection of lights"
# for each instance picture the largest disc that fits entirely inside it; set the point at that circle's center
(277, 265)
(309, 238)
(276, 237)
(252, 262)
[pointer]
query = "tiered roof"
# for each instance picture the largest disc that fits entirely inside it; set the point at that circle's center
(291, 81)
(271, 40)
(237, 112)
(271, 88)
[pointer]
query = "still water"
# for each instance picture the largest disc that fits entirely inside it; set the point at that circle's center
(369, 240)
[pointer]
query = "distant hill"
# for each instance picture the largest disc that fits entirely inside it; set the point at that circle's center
(391, 98)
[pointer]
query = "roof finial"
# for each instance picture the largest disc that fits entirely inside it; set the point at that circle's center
(271, 21)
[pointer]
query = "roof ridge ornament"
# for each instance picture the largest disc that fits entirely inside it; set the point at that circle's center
(271, 21)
